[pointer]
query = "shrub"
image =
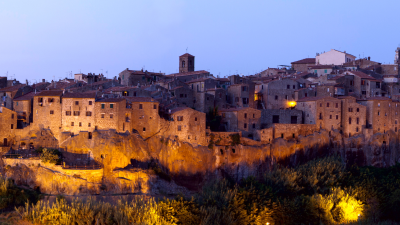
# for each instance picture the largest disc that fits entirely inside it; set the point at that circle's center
(50, 156)
(235, 139)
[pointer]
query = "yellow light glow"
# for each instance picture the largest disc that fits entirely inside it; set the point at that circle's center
(292, 104)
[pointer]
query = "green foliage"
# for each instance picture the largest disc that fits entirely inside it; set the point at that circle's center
(213, 120)
(11, 195)
(50, 156)
(235, 139)
(211, 143)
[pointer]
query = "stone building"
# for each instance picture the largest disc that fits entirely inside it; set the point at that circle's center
(142, 116)
(7, 94)
(3, 82)
(270, 72)
(78, 112)
(331, 90)
(360, 64)
(304, 92)
(365, 86)
(188, 76)
(110, 113)
(223, 83)
(320, 70)
(302, 65)
(122, 91)
(278, 93)
(378, 116)
(183, 95)
(188, 125)
(8, 123)
(282, 116)
(47, 110)
(246, 120)
(325, 112)
(292, 131)
(219, 96)
(23, 106)
(241, 95)
(88, 78)
(354, 116)
(186, 63)
(138, 77)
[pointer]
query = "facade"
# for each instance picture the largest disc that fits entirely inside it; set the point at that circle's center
(378, 116)
(282, 116)
(278, 93)
(23, 106)
(8, 124)
(320, 70)
(325, 112)
(47, 111)
(365, 86)
(78, 112)
(241, 95)
(142, 115)
(354, 116)
(110, 114)
(334, 57)
(245, 120)
(7, 94)
(188, 125)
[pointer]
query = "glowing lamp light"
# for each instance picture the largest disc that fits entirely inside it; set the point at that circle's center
(292, 104)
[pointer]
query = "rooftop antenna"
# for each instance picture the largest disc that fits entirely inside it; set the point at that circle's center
(186, 49)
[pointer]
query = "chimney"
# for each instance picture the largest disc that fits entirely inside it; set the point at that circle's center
(369, 58)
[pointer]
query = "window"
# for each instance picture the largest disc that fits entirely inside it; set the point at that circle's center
(379, 104)
(12, 115)
(72, 124)
(276, 97)
(76, 113)
(245, 115)
(356, 129)
(89, 125)
(154, 106)
(90, 135)
(337, 117)
(254, 125)
(358, 120)
(330, 116)
(350, 109)
(88, 113)
(337, 105)
(358, 109)
(51, 112)
(349, 120)
(80, 124)
(395, 122)
(12, 126)
(363, 92)
(195, 119)
(351, 82)
(179, 118)
(67, 113)
(140, 106)
(179, 128)
(254, 116)
(181, 95)
(50, 100)
(17, 103)
(288, 87)
(103, 105)
(245, 125)
(326, 71)
(378, 113)
(294, 86)
(327, 105)
(244, 88)
(320, 116)
(111, 106)
(144, 128)
(90, 102)
(102, 115)
(76, 102)
(362, 82)
(111, 116)
(320, 104)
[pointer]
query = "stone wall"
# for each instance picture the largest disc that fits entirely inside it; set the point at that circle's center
(293, 131)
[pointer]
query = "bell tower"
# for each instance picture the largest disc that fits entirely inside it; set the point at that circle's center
(186, 63)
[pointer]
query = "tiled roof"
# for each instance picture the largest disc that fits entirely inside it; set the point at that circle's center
(222, 79)
(80, 95)
(139, 99)
(362, 75)
(308, 99)
(378, 98)
(233, 109)
(188, 73)
(25, 97)
(305, 61)
(198, 80)
(50, 93)
(12, 88)
(111, 100)
(119, 88)
(321, 67)
(186, 55)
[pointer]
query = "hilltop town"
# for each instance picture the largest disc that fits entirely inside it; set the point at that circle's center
(332, 94)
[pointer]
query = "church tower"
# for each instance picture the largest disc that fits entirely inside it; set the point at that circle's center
(186, 63)
(397, 56)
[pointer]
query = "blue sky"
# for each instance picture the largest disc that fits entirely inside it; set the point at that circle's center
(46, 39)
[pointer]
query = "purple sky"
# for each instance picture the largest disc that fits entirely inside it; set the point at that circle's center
(46, 39)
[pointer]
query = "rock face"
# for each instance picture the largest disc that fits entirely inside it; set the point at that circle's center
(127, 160)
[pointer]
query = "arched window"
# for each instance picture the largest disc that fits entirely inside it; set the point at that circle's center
(183, 63)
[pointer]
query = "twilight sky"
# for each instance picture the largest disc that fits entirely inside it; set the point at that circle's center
(46, 39)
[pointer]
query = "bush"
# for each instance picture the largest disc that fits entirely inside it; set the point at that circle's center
(50, 156)
(235, 139)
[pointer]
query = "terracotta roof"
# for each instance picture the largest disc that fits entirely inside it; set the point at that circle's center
(179, 109)
(26, 97)
(50, 93)
(362, 75)
(101, 82)
(305, 61)
(111, 100)
(188, 73)
(139, 99)
(12, 88)
(186, 55)
(321, 67)
(119, 88)
(222, 79)
(308, 99)
(80, 95)
(377, 98)
(198, 80)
